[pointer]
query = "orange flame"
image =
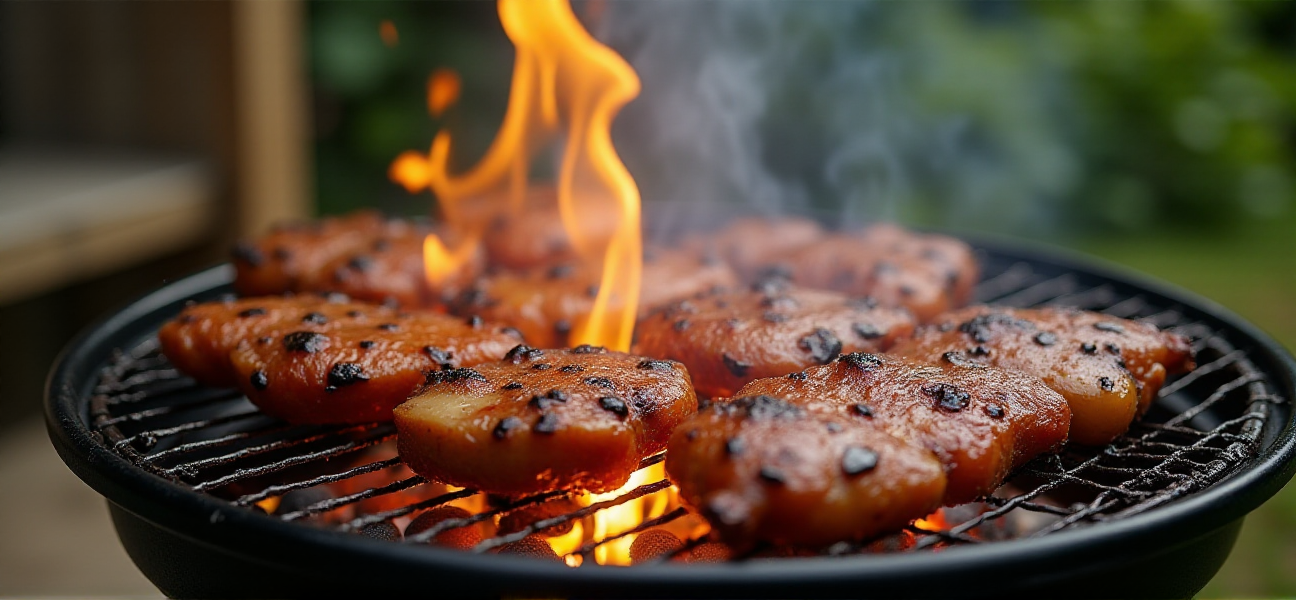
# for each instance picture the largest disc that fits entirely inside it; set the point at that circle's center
(387, 31)
(566, 87)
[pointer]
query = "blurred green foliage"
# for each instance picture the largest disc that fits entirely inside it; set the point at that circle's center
(1159, 134)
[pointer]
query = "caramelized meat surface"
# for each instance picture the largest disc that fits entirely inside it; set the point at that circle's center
(534, 236)
(362, 254)
(199, 340)
(360, 370)
(761, 468)
(751, 244)
(980, 422)
(1108, 369)
(673, 275)
(729, 338)
(927, 274)
(543, 420)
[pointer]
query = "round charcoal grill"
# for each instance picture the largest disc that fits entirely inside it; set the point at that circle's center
(187, 470)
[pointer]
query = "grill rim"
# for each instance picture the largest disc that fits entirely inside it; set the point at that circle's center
(217, 525)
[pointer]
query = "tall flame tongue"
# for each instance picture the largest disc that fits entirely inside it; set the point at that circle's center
(566, 87)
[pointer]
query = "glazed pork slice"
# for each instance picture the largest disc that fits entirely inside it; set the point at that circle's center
(1108, 369)
(761, 468)
(673, 275)
(753, 244)
(359, 371)
(542, 420)
(728, 338)
(363, 254)
(199, 340)
(979, 421)
(535, 237)
(927, 274)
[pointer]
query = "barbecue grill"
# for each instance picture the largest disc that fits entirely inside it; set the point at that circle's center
(186, 470)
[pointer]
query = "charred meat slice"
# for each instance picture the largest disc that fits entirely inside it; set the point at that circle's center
(729, 338)
(980, 422)
(361, 254)
(1108, 369)
(199, 340)
(927, 274)
(673, 275)
(530, 424)
(359, 372)
(762, 468)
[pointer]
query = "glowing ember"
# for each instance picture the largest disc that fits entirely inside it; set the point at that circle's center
(443, 91)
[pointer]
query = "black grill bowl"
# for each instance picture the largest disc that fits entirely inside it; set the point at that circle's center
(191, 544)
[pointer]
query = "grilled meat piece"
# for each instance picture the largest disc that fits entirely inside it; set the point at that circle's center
(763, 468)
(981, 422)
(927, 274)
(752, 244)
(361, 254)
(359, 371)
(199, 340)
(545, 304)
(1108, 369)
(534, 236)
(728, 338)
(543, 420)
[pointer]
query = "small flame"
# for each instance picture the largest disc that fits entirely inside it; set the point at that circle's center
(439, 262)
(932, 522)
(443, 89)
(387, 31)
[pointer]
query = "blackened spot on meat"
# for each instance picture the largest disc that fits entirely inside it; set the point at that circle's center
(770, 286)
(354, 314)
(248, 253)
(511, 331)
(304, 341)
(547, 423)
(541, 366)
(858, 460)
(474, 321)
(187, 319)
(907, 290)
(562, 327)
(681, 324)
(505, 427)
(652, 364)
(560, 271)
(588, 349)
(734, 446)
(523, 352)
(315, 318)
(861, 409)
(1112, 348)
(366, 344)
(860, 360)
(335, 297)
(1108, 327)
(1045, 338)
(735, 366)
(945, 327)
(783, 302)
(341, 275)
(344, 374)
(994, 410)
(867, 331)
(572, 369)
(981, 327)
(382, 245)
(259, 380)
(774, 317)
(592, 291)
(252, 312)
(979, 350)
(614, 405)
(602, 382)
(960, 359)
(797, 376)
(361, 263)
(512, 385)
(759, 407)
(733, 323)
(865, 303)
(948, 397)
(1089, 348)
(389, 327)
(280, 253)
(454, 376)
(822, 345)
(265, 339)
(690, 435)
(438, 355)
(1106, 384)
(391, 302)
(772, 475)
(833, 427)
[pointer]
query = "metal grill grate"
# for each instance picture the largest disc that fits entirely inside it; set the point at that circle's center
(1202, 427)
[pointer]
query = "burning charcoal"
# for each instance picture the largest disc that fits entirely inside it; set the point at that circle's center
(300, 499)
(459, 538)
(382, 530)
(653, 544)
(531, 547)
(710, 552)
